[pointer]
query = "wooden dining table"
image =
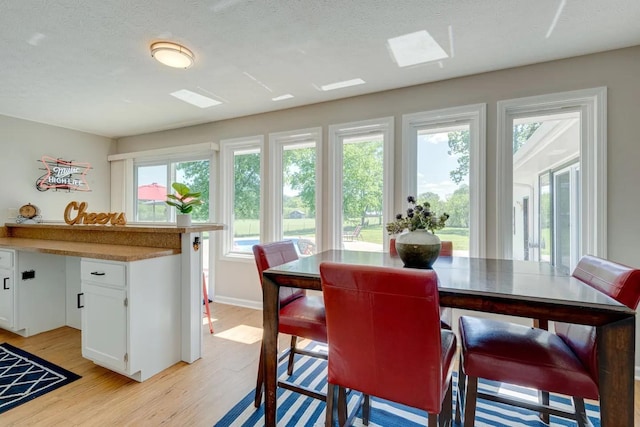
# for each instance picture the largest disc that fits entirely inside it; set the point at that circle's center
(518, 288)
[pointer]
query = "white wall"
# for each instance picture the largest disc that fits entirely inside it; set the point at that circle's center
(23, 145)
(617, 70)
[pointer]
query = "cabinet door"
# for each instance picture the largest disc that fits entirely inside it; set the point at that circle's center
(7, 301)
(104, 326)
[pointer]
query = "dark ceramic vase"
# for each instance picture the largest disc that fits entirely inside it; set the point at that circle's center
(418, 249)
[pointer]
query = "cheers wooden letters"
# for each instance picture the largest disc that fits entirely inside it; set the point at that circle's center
(83, 217)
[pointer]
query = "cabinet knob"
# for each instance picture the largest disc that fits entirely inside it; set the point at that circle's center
(98, 273)
(5, 285)
(78, 304)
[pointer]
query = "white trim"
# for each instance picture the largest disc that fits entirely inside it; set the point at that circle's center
(592, 104)
(238, 302)
(228, 149)
(277, 143)
(161, 153)
(475, 116)
(337, 133)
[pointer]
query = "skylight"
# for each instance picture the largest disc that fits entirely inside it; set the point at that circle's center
(415, 48)
(195, 98)
(340, 85)
(282, 97)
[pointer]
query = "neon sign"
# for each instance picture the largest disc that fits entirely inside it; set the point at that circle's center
(63, 175)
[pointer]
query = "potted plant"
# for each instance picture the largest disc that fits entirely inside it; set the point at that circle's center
(183, 200)
(419, 247)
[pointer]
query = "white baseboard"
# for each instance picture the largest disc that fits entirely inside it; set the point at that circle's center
(239, 302)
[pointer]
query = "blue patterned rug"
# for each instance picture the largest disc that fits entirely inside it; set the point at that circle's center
(24, 377)
(296, 410)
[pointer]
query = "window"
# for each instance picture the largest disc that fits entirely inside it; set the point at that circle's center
(153, 182)
(443, 161)
(296, 165)
(242, 185)
(361, 175)
(560, 166)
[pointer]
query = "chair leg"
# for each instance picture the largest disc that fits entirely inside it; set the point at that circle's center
(259, 382)
(447, 407)
(331, 389)
(292, 354)
(469, 408)
(366, 409)
(581, 412)
(543, 398)
(461, 391)
(342, 406)
(433, 420)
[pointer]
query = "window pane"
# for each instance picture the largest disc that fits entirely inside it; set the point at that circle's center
(299, 196)
(443, 180)
(246, 200)
(362, 192)
(546, 216)
(195, 175)
(152, 193)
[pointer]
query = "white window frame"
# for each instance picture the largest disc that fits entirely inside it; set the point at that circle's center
(475, 117)
(592, 104)
(277, 143)
(228, 148)
(170, 162)
(337, 132)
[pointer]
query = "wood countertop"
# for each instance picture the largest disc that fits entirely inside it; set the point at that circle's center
(86, 250)
(118, 243)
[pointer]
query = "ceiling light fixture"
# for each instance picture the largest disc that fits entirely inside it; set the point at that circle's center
(343, 84)
(172, 54)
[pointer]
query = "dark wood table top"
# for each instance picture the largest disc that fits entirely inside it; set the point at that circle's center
(459, 277)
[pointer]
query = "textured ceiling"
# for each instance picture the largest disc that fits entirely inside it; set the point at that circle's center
(85, 64)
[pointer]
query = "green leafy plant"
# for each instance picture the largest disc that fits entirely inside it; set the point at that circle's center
(418, 217)
(184, 200)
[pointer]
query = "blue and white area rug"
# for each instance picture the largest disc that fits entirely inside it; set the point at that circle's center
(296, 410)
(24, 377)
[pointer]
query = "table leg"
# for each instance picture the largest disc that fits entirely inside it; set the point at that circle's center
(616, 349)
(270, 311)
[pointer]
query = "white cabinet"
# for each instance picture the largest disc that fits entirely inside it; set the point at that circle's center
(105, 314)
(32, 293)
(7, 292)
(131, 314)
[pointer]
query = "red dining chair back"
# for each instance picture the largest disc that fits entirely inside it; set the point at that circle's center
(446, 248)
(565, 362)
(384, 336)
(300, 315)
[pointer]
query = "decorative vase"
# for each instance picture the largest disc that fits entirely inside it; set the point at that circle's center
(183, 220)
(418, 249)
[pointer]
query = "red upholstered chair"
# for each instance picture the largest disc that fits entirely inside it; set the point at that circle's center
(385, 338)
(446, 248)
(565, 362)
(301, 315)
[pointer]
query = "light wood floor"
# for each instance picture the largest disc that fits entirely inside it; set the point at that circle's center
(183, 395)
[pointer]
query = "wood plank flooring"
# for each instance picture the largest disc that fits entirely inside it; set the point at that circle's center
(183, 395)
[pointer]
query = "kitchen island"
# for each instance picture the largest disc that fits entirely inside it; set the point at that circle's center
(134, 290)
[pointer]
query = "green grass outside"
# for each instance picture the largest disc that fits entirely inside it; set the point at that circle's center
(305, 227)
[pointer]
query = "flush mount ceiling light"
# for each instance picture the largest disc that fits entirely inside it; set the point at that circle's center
(172, 54)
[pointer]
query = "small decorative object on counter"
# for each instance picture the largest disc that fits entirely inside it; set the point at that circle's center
(420, 247)
(28, 214)
(76, 213)
(184, 200)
